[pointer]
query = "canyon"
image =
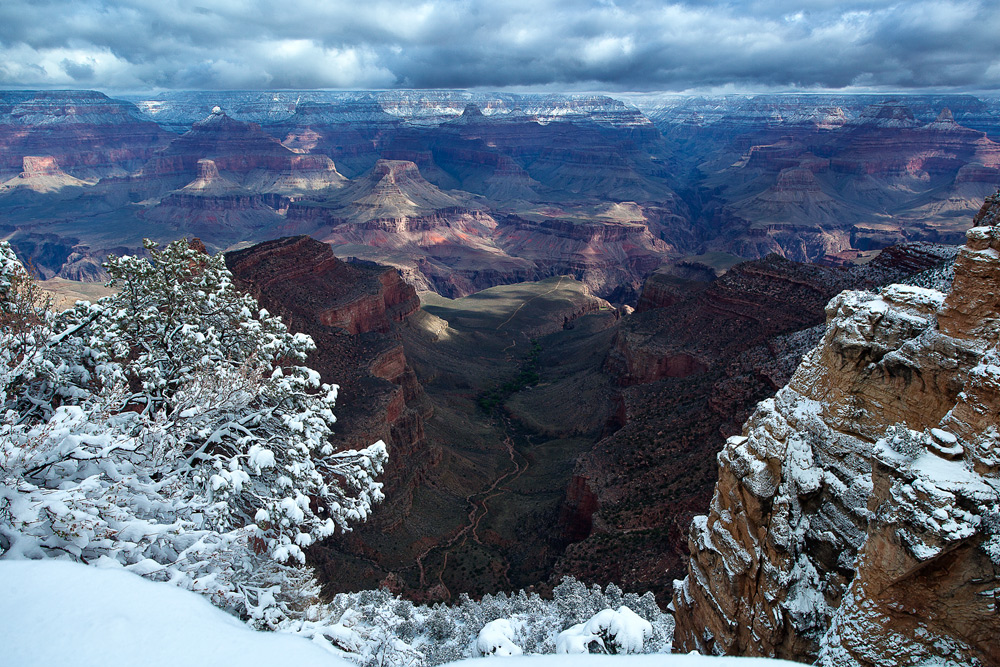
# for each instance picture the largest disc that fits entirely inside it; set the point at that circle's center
(464, 191)
(535, 430)
(558, 310)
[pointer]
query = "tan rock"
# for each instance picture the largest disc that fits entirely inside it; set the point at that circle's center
(856, 519)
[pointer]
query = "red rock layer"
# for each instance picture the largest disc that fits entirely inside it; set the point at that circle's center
(351, 311)
(693, 370)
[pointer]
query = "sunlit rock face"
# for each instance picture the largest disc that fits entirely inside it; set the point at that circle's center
(855, 520)
(89, 134)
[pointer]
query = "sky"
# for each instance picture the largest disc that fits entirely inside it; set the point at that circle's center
(558, 45)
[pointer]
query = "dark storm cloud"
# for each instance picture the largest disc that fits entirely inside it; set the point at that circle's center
(634, 45)
(77, 71)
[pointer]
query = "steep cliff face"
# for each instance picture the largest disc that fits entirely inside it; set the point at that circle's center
(351, 311)
(692, 366)
(855, 518)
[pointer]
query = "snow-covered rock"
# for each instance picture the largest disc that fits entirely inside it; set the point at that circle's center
(621, 631)
(855, 520)
(497, 638)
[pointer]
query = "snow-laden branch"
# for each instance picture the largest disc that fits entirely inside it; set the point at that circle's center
(168, 429)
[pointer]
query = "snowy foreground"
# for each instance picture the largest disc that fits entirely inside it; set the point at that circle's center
(60, 613)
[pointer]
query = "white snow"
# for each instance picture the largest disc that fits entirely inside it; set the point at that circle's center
(801, 467)
(575, 640)
(944, 436)
(621, 631)
(944, 473)
(261, 458)
(61, 613)
(497, 638)
(654, 660)
(627, 629)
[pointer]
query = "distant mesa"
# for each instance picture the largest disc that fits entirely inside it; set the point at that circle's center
(888, 114)
(471, 114)
(209, 181)
(41, 173)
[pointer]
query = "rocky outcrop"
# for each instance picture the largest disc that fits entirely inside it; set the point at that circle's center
(41, 173)
(318, 288)
(351, 311)
(855, 518)
(693, 366)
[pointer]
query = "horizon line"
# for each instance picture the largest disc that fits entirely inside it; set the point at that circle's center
(839, 92)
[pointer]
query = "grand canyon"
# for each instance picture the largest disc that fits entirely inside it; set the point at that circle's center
(647, 340)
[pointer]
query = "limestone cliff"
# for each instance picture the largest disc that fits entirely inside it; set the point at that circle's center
(855, 520)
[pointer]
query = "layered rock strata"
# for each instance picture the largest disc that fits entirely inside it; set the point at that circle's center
(855, 518)
(90, 135)
(351, 311)
(245, 154)
(692, 366)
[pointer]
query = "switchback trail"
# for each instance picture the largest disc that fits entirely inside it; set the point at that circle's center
(478, 509)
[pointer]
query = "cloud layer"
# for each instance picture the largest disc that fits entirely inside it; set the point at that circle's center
(559, 44)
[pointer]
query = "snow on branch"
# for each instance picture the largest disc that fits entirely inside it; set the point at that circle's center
(171, 428)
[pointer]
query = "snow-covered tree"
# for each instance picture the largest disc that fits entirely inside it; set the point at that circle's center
(172, 429)
(376, 629)
(23, 322)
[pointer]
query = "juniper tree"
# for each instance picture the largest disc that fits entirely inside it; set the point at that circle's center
(172, 429)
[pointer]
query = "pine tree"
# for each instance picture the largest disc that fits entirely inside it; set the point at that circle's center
(172, 429)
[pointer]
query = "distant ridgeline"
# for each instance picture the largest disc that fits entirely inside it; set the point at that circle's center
(463, 191)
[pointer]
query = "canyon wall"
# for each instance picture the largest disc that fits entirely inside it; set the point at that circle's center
(854, 520)
(690, 366)
(352, 312)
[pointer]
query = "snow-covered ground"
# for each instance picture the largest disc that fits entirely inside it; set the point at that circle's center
(648, 660)
(60, 613)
